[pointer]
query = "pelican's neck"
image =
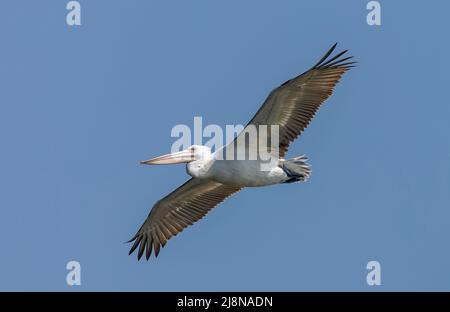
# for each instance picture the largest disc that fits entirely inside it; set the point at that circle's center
(200, 168)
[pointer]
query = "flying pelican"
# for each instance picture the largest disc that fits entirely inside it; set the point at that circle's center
(291, 107)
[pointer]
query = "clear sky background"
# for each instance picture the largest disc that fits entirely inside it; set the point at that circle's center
(80, 106)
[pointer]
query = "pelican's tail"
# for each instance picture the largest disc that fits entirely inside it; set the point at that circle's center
(297, 169)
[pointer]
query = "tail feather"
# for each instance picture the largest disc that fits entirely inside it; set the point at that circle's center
(297, 169)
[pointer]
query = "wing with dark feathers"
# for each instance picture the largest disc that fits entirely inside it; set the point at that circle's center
(173, 213)
(292, 105)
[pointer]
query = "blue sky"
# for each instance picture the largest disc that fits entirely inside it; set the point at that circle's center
(80, 106)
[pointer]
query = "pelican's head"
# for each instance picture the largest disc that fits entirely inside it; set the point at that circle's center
(192, 153)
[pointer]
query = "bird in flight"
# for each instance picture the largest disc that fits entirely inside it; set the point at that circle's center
(289, 108)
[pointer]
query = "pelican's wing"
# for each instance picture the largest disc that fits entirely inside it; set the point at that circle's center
(173, 213)
(292, 105)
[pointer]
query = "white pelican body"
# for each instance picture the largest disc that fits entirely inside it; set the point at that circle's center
(244, 173)
(234, 172)
(290, 107)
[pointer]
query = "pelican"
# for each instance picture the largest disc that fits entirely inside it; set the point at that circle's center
(290, 107)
